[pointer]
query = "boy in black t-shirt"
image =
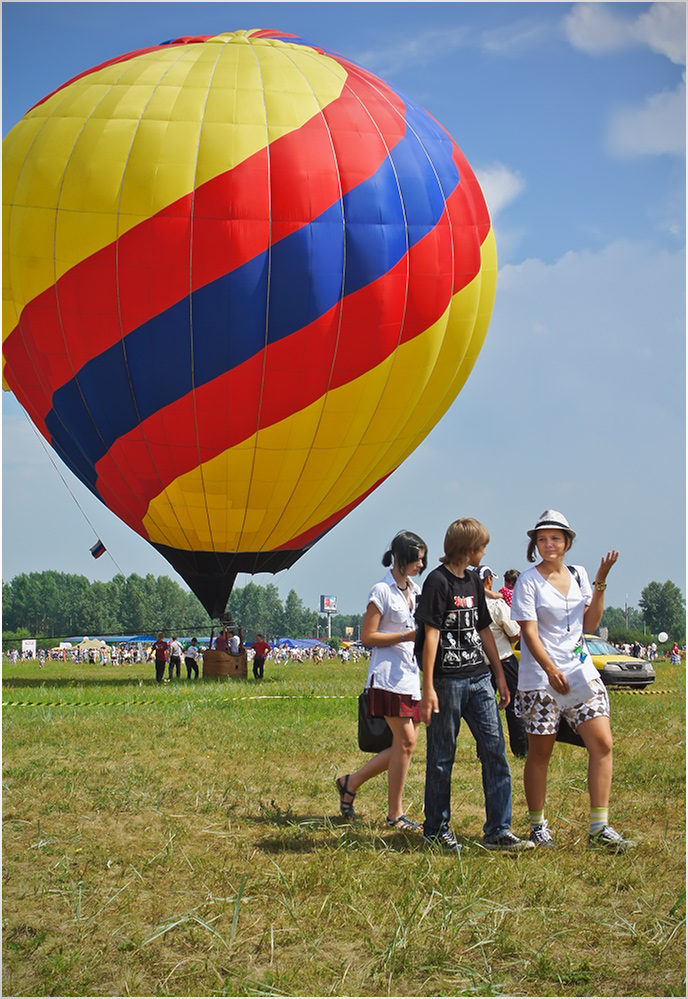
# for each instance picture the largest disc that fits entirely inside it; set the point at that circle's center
(453, 627)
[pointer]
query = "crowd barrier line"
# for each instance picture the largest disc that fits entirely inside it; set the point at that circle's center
(228, 700)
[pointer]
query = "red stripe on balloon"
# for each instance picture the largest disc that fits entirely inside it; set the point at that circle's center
(196, 240)
(293, 373)
(479, 210)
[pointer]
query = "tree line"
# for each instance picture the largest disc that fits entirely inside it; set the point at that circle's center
(50, 605)
(662, 607)
(54, 604)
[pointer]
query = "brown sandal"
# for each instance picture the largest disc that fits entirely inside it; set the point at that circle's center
(346, 807)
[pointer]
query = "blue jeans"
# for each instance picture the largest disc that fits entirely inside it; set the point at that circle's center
(474, 700)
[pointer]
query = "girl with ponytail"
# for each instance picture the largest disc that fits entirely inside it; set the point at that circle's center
(393, 682)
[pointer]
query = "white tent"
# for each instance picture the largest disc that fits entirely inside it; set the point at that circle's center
(90, 643)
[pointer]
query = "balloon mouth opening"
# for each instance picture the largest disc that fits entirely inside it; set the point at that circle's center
(211, 575)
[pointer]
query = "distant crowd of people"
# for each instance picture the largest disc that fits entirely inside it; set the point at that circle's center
(650, 651)
(115, 655)
(177, 652)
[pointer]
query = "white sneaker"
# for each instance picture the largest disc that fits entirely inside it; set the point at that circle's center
(444, 841)
(508, 842)
(541, 836)
(609, 839)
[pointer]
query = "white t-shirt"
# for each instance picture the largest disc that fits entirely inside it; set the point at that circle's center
(560, 625)
(395, 667)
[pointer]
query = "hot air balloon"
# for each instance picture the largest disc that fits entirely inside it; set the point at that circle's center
(244, 278)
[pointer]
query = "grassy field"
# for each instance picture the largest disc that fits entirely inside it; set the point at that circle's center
(185, 840)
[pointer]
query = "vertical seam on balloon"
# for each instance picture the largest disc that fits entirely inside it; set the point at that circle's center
(323, 398)
(259, 67)
(117, 284)
(191, 329)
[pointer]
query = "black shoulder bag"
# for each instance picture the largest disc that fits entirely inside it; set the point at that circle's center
(374, 734)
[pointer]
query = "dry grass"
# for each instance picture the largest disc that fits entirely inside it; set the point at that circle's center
(185, 840)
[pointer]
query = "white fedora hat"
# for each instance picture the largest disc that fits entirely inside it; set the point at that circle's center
(552, 519)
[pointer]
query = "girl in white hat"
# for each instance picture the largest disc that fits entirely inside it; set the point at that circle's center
(555, 605)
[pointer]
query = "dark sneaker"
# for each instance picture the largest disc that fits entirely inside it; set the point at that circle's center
(609, 839)
(443, 841)
(508, 843)
(541, 836)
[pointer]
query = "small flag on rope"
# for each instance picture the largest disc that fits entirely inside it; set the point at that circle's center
(98, 549)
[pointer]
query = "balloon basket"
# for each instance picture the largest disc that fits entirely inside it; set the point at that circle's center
(222, 665)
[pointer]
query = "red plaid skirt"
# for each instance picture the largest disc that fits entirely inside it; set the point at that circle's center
(387, 704)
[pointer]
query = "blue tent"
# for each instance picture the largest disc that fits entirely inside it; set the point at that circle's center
(118, 639)
(300, 643)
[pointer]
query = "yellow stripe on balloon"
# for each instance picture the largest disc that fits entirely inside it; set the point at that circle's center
(124, 142)
(365, 429)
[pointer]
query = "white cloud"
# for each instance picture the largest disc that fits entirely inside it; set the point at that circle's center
(500, 186)
(663, 28)
(395, 56)
(593, 28)
(596, 28)
(582, 372)
(626, 294)
(515, 37)
(658, 126)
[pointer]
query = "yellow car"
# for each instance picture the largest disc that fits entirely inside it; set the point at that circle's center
(616, 668)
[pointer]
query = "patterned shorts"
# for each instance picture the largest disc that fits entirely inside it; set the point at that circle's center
(541, 714)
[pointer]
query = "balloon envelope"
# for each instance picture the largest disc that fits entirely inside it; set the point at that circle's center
(244, 280)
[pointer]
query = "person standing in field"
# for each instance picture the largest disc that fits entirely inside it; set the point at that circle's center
(555, 606)
(159, 651)
(453, 630)
(261, 650)
(191, 659)
(175, 657)
(393, 682)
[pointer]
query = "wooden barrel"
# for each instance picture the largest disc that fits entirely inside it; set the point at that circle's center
(223, 664)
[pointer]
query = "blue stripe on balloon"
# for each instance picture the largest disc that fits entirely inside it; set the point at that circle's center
(223, 324)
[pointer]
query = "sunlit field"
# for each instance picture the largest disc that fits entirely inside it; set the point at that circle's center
(185, 840)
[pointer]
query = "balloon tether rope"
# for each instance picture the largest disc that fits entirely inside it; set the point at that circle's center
(66, 485)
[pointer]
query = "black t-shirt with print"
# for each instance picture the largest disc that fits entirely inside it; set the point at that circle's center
(457, 607)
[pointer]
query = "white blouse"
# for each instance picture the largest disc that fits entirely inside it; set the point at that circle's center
(394, 667)
(560, 625)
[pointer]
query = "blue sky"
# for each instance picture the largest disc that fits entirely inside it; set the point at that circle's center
(573, 117)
